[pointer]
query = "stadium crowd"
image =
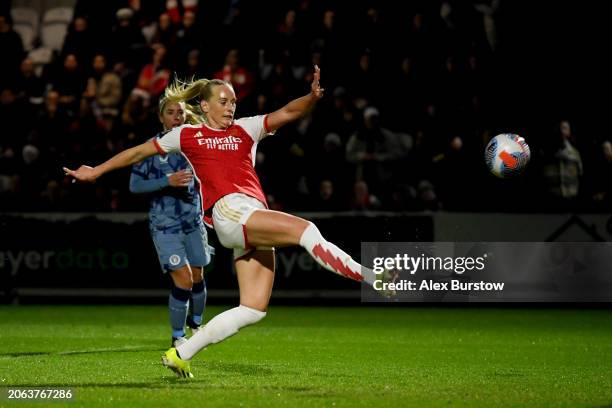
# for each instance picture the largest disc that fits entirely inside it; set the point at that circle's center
(410, 103)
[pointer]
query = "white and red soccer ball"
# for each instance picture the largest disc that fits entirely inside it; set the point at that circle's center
(507, 155)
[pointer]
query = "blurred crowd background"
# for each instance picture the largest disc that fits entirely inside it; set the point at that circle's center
(414, 91)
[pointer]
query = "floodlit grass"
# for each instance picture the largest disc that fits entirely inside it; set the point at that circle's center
(312, 356)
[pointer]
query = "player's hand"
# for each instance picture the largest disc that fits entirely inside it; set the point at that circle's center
(315, 87)
(180, 178)
(84, 173)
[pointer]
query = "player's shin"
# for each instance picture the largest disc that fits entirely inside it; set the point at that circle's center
(219, 328)
(178, 303)
(333, 258)
(198, 301)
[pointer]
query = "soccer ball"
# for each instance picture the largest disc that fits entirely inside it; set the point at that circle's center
(507, 155)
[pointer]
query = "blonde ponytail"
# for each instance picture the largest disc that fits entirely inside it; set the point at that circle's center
(190, 93)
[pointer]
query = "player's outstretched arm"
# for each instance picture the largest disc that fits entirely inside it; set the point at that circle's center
(122, 159)
(139, 184)
(297, 107)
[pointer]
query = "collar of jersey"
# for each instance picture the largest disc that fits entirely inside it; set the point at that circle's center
(218, 130)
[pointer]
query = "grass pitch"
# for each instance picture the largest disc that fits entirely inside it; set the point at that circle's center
(311, 356)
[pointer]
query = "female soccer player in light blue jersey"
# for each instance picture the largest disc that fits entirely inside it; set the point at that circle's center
(175, 223)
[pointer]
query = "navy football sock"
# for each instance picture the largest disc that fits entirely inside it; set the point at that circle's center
(178, 303)
(198, 299)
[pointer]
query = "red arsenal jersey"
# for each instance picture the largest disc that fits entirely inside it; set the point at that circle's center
(223, 160)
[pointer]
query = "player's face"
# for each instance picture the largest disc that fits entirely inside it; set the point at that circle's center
(172, 115)
(221, 106)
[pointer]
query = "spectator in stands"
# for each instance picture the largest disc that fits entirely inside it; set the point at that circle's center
(476, 78)
(402, 198)
(280, 84)
(103, 93)
(173, 8)
(341, 116)
(364, 82)
(188, 37)
(411, 86)
(31, 180)
(8, 161)
(326, 198)
(452, 95)
(192, 67)
(14, 119)
(489, 9)
(155, 76)
(29, 86)
(327, 162)
(126, 39)
(80, 41)
(374, 151)
(101, 15)
(290, 40)
(8, 189)
(562, 169)
(287, 32)
(602, 178)
(165, 33)
(454, 172)
(52, 197)
(374, 33)
(427, 199)
(239, 76)
(128, 77)
(330, 42)
(362, 200)
(51, 125)
(136, 118)
(12, 52)
(70, 82)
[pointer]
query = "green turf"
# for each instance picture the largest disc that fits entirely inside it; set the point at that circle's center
(334, 357)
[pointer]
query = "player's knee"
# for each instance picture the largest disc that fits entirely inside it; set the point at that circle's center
(255, 301)
(182, 278)
(252, 315)
(309, 235)
(197, 274)
(302, 225)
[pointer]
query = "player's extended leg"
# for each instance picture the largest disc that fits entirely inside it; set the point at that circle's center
(255, 273)
(255, 277)
(178, 301)
(274, 228)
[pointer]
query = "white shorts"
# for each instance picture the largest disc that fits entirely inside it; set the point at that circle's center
(230, 215)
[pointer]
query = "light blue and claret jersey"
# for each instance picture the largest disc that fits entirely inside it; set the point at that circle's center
(172, 209)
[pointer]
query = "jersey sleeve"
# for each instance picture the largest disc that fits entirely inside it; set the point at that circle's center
(255, 126)
(169, 142)
(142, 179)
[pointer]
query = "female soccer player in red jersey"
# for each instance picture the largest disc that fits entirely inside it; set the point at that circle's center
(221, 151)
